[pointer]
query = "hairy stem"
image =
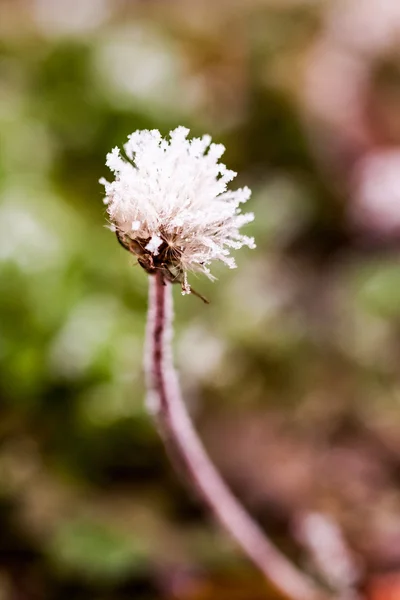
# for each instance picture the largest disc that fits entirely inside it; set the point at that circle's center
(166, 404)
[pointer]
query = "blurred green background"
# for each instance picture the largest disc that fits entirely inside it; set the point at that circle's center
(292, 371)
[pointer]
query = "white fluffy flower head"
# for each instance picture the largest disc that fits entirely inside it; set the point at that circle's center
(169, 203)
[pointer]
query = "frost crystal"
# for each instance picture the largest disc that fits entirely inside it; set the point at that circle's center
(169, 201)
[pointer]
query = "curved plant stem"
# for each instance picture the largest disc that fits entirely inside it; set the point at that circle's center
(166, 404)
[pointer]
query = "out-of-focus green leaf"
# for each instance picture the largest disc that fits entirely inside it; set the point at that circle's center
(95, 551)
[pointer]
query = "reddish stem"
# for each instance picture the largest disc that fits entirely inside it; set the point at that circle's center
(175, 425)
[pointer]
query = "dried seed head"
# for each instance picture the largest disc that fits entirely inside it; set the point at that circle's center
(170, 205)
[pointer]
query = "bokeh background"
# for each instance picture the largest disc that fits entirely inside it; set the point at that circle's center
(291, 373)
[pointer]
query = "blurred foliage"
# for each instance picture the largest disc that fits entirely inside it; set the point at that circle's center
(292, 371)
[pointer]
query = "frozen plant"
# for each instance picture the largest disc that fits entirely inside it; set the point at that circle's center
(170, 206)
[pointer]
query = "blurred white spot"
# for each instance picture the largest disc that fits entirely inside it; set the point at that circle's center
(377, 194)
(66, 17)
(139, 63)
(368, 25)
(25, 240)
(324, 538)
(88, 328)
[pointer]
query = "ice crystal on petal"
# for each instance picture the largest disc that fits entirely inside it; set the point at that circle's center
(154, 244)
(135, 225)
(173, 193)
